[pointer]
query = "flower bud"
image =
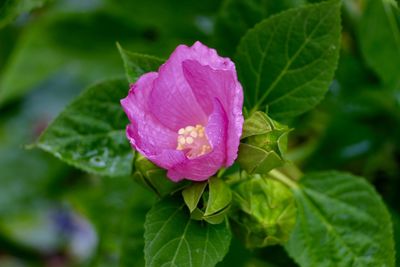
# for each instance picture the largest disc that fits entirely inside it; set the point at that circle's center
(264, 211)
(264, 142)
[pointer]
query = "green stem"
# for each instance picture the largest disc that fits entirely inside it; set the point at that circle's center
(277, 175)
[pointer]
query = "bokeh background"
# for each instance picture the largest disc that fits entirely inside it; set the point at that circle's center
(54, 215)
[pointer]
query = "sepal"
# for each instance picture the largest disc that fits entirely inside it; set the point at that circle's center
(208, 201)
(264, 143)
(154, 178)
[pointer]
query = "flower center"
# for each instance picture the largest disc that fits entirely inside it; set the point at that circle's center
(194, 139)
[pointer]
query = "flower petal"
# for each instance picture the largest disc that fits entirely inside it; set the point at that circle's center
(146, 133)
(203, 167)
(172, 101)
(208, 84)
(209, 57)
(168, 158)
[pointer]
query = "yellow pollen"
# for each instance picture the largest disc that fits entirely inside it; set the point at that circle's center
(189, 129)
(193, 140)
(181, 140)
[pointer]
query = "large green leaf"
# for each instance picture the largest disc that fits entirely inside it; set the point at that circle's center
(138, 64)
(341, 222)
(173, 239)
(10, 9)
(237, 16)
(380, 40)
(90, 132)
(287, 62)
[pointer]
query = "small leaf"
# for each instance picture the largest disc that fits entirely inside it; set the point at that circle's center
(197, 214)
(90, 132)
(218, 217)
(138, 64)
(173, 239)
(256, 160)
(287, 62)
(192, 194)
(220, 196)
(342, 221)
(380, 40)
(258, 123)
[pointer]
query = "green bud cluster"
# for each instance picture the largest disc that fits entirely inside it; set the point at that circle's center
(264, 211)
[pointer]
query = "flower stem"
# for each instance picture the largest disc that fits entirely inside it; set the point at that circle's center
(278, 175)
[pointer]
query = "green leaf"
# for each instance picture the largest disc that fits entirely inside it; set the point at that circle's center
(380, 40)
(341, 221)
(173, 239)
(192, 195)
(90, 132)
(237, 16)
(215, 202)
(287, 62)
(220, 196)
(256, 160)
(257, 123)
(10, 9)
(137, 64)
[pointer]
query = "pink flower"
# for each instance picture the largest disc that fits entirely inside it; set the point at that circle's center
(187, 117)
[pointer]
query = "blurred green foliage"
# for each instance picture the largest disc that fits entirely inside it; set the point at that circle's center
(53, 214)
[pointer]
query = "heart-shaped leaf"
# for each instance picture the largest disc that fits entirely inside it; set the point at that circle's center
(287, 62)
(341, 221)
(172, 238)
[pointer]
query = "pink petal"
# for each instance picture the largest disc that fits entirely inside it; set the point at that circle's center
(208, 56)
(145, 133)
(208, 84)
(172, 101)
(203, 167)
(168, 158)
